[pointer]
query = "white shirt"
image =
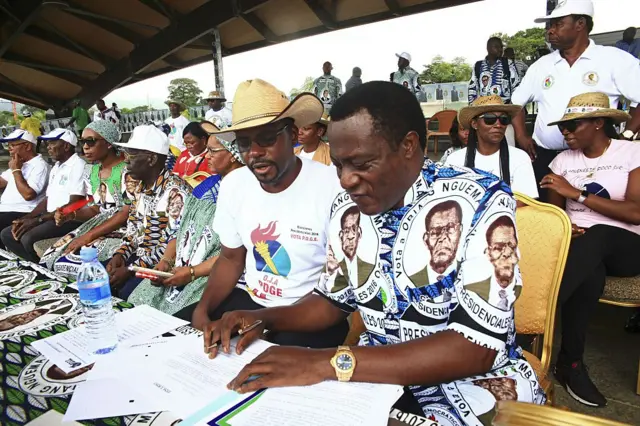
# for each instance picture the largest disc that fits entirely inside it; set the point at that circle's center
(552, 83)
(65, 179)
(288, 229)
(523, 179)
(107, 114)
(36, 173)
(177, 127)
(221, 118)
(307, 155)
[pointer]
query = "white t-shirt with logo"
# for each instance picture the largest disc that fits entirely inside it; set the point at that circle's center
(286, 234)
(36, 173)
(609, 179)
(221, 118)
(177, 126)
(523, 179)
(65, 179)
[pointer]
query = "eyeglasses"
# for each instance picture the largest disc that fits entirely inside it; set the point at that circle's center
(90, 141)
(212, 151)
(128, 154)
(15, 145)
(262, 140)
(491, 119)
(447, 230)
(499, 249)
(569, 126)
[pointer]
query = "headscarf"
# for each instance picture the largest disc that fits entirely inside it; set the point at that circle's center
(233, 149)
(106, 129)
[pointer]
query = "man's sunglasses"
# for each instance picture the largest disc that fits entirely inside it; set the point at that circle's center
(265, 140)
(491, 119)
(90, 141)
(569, 126)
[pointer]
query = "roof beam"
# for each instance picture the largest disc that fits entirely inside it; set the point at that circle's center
(258, 25)
(322, 14)
(27, 12)
(394, 7)
(57, 37)
(161, 8)
(180, 32)
(68, 74)
(118, 21)
(106, 23)
(28, 93)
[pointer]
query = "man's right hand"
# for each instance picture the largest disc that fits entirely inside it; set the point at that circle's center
(77, 243)
(221, 331)
(116, 262)
(528, 145)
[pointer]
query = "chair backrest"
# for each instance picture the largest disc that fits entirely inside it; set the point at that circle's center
(544, 236)
(445, 119)
(193, 180)
(512, 413)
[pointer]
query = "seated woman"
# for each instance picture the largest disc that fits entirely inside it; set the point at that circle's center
(597, 182)
(459, 138)
(311, 145)
(104, 219)
(192, 159)
(487, 120)
(192, 254)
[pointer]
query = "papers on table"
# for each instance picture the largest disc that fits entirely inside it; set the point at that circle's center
(70, 350)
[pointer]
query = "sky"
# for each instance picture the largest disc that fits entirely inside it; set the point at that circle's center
(455, 31)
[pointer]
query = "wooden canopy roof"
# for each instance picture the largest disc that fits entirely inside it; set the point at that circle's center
(52, 51)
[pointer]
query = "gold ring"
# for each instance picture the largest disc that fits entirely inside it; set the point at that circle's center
(550, 180)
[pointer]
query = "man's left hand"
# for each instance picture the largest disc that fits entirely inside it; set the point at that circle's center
(281, 366)
(560, 185)
(22, 226)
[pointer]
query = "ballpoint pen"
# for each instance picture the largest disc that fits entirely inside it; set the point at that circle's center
(240, 332)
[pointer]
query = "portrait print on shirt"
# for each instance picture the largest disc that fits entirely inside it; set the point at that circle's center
(36, 314)
(11, 281)
(42, 377)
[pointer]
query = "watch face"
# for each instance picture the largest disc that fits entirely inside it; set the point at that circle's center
(344, 362)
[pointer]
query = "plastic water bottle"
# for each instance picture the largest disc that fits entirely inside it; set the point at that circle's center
(95, 296)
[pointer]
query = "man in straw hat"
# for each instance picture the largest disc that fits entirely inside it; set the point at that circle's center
(66, 185)
(176, 122)
(448, 332)
(217, 113)
(596, 182)
(577, 66)
(25, 181)
(271, 215)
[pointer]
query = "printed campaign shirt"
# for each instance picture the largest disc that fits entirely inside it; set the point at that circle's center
(328, 88)
(447, 260)
(487, 80)
(407, 78)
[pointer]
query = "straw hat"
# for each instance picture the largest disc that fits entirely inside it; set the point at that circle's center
(257, 103)
(591, 105)
(484, 104)
(325, 119)
(214, 95)
(180, 104)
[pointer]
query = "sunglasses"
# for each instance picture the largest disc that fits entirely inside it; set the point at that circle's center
(491, 119)
(569, 126)
(263, 140)
(90, 141)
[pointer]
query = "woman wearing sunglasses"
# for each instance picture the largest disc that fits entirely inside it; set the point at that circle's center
(487, 149)
(105, 218)
(597, 181)
(192, 254)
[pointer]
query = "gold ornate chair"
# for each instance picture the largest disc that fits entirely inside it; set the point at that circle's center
(544, 234)
(512, 413)
(193, 180)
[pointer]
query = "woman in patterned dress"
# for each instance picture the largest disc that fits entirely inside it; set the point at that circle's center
(192, 254)
(105, 218)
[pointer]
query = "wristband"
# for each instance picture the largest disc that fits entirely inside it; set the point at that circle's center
(193, 273)
(16, 170)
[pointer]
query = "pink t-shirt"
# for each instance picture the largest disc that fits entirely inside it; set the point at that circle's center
(608, 181)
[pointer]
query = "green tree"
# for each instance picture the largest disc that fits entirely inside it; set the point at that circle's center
(307, 86)
(185, 90)
(441, 71)
(524, 43)
(141, 108)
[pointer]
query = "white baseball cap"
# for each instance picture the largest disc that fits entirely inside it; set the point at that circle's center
(569, 7)
(404, 55)
(62, 134)
(20, 134)
(147, 138)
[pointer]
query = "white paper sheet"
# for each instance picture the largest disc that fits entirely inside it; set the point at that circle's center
(70, 350)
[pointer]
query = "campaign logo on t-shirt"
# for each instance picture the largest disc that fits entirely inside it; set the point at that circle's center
(270, 255)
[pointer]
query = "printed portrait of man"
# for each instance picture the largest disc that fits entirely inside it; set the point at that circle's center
(175, 204)
(63, 241)
(443, 229)
(502, 388)
(102, 193)
(17, 320)
(350, 235)
(131, 185)
(485, 81)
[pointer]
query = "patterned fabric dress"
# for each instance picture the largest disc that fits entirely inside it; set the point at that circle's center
(196, 242)
(110, 194)
(446, 261)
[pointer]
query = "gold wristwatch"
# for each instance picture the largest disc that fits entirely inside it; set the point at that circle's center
(344, 362)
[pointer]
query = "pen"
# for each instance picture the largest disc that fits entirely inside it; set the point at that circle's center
(240, 332)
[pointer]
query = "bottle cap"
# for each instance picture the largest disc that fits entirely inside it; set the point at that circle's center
(87, 254)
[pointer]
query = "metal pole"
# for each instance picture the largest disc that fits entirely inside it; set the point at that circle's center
(216, 49)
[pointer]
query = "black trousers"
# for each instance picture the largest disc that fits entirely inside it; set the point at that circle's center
(544, 157)
(6, 219)
(602, 251)
(24, 247)
(240, 300)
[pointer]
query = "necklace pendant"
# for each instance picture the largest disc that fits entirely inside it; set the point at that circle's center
(590, 175)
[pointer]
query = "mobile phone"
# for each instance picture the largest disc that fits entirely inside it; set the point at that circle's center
(148, 271)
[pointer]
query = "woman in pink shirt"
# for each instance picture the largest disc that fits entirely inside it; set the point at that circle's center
(597, 182)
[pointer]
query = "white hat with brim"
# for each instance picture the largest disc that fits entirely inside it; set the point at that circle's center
(258, 103)
(568, 7)
(404, 55)
(591, 105)
(61, 134)
(20, 134)
(147, 138)
(484, 104)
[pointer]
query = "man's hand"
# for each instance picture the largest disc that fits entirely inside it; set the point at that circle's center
(200, 318)
(118, 272)
(22, 226)
(281, 366)
(62, 218)
(529, 146)
(221, 331)
(77, 243)
(576, 231)
(16, 162)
